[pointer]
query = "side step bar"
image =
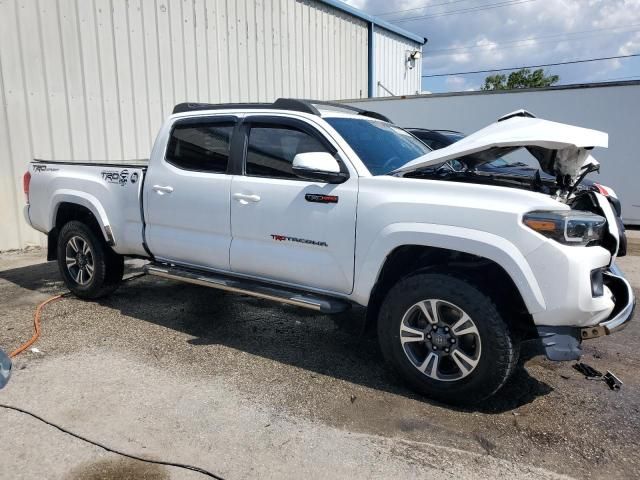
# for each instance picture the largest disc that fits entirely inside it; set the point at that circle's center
(311, 301)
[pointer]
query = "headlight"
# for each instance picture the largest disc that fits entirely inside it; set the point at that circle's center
(571, 227)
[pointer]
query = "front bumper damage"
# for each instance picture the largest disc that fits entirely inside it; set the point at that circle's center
(563, 343)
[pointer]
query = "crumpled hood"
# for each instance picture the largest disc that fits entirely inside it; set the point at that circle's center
(560, 149)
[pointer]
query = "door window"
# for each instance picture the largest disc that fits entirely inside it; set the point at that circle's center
(203, 147)
(271, 150)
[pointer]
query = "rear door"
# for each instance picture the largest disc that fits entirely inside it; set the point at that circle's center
(187, 194)
(286, 228)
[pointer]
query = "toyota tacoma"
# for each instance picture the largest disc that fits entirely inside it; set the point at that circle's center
(329, 207)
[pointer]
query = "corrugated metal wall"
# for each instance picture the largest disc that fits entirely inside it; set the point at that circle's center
(94, 79)
(391, 68)
(611, 107)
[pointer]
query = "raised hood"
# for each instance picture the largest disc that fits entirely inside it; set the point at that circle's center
(560, 149)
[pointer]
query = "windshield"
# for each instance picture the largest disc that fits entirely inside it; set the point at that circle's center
(381, 146)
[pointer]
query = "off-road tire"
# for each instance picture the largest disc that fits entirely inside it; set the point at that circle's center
(108, 266)
(499, 351)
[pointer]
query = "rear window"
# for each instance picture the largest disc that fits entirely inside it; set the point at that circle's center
(382, 147)
(202, 147)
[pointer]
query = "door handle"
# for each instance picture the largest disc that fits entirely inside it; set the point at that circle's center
(246, 198)
(160, 190)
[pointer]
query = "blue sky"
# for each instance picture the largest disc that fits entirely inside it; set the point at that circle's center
(467, 35)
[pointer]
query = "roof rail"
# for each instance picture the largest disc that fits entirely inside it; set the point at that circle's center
(293, 104)
(192, 107)
(280, 104)
(359, 111)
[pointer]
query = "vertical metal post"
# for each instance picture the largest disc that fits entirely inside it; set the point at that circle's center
(371, 58)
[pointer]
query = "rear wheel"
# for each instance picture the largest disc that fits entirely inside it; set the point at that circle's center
(446, 338)
(89, 267)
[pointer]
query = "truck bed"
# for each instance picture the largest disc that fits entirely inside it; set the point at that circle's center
(110, 191)
(136, 163)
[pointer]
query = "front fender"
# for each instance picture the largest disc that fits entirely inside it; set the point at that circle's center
(476, 242)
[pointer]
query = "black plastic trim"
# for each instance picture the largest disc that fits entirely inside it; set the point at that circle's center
(238, 148)
(359, 111)
(144, 223)
(560, 343)
(143, 163)
(291, 104)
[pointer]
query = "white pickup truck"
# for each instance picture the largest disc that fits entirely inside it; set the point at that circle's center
(327, 207)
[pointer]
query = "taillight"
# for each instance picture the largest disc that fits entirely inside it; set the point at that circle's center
(26, 180)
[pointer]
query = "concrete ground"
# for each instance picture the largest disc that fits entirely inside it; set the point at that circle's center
(249, 389)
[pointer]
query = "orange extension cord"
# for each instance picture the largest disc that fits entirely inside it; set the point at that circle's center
(36, 326)
(36, 317)
(31, 341)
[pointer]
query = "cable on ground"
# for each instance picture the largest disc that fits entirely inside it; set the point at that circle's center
(31, 341)
(184, 466)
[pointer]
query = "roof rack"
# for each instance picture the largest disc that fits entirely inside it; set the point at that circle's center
(281, 103)
(359, 111)
(292, 104)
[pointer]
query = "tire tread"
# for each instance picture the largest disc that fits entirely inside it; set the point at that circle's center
(503, 354)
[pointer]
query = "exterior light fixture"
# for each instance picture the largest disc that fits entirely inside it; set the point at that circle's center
(412, 56)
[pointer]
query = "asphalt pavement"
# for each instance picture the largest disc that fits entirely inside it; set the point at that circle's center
(250, 389)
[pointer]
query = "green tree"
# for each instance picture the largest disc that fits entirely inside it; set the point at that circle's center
(523, 78)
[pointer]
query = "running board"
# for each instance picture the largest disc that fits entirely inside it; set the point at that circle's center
(311, 301)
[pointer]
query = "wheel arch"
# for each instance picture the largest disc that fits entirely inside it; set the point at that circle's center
(487, 261)
(77, 208)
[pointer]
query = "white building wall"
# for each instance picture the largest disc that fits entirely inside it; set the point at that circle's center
(612, 108)
(391, 69)
(94, 79)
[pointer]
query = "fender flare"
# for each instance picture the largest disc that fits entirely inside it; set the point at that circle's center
(476, 242)
(85, 200)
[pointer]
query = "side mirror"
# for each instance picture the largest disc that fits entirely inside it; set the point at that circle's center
(318, 166)
(5, 368)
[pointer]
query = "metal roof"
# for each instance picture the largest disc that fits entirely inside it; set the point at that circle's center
(375, 21)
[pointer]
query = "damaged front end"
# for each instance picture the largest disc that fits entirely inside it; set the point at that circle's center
(569, 166)
(562, 343)
(562, 152)
(597, 300)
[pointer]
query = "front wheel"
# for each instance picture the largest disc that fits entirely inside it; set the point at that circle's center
(446, 338)
(90, 268)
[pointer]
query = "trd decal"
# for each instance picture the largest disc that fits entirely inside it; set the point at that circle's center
(114, 176)
(44, 168)
(284, 238)
(319, 198)
(124, 175)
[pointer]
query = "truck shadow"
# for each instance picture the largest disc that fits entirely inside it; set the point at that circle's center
(326, 345)
(41, 277)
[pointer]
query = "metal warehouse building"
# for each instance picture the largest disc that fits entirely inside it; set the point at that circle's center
(94, 79)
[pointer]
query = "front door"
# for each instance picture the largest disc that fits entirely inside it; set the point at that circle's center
(286, 228)
(187, 194)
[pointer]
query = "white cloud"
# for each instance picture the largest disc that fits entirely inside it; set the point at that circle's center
(564, 30)
(631, 46)
(456, 83)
